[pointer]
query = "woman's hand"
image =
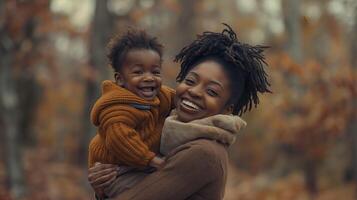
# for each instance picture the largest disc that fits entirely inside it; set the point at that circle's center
(157, 162)
(100, 176)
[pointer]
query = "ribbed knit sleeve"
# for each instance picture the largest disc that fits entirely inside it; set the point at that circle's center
(127, 145)
(118, 123)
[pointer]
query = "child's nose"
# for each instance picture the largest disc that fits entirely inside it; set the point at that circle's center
(148, 77)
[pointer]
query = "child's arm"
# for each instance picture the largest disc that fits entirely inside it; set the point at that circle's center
(127, 146)
(117, 127)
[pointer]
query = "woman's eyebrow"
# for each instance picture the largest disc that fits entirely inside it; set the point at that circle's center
(217, 83)
(212, 81)
(194, 74)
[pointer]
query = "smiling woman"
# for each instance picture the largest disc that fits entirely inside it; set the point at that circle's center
(219, 76)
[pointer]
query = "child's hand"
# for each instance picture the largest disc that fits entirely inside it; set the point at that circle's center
(100, 176)
(157, 162)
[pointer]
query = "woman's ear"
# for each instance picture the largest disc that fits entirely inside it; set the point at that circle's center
(118, 79)
(229, 109)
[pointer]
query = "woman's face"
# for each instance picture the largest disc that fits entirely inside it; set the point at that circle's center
(204, 92)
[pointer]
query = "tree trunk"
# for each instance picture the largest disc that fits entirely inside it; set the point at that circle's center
(186, 23)
(310, 175)
(27, 87)
(29, 94)
(293, 28)
(294, 35)
(10, 113)
(100, 34)
(352, 125)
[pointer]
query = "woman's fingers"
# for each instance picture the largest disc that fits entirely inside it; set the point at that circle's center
(100, 167)
(104, 171)
(100, 172)
(107, 183)
(92, 176)
(96, 180)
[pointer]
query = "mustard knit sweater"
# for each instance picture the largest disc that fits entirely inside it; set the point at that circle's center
(129, 127)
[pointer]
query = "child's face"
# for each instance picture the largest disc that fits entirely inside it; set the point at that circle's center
(140, 73)
(204, 92)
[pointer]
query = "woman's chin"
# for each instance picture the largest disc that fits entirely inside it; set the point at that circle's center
(184, 117)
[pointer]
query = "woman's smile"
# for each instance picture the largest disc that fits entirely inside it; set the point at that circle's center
(189, 106)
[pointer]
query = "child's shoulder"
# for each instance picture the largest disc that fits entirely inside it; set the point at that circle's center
(168, 91)
(108, 85)
(112, 96)
(166, 97)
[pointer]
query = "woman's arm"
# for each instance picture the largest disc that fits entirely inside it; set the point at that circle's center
(157, 162)
(194, 170)
(100, 176)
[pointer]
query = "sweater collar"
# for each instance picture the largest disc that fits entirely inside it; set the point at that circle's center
(222, 128)
(112, 94)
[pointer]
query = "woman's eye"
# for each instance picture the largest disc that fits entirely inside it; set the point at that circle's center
(189, 82)
(212, 93)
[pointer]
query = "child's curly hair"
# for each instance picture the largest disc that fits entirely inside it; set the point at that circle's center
(244, 65)
(133, 39)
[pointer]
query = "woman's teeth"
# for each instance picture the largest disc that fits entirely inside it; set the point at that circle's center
(190, 104)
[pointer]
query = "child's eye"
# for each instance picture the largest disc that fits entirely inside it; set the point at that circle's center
(157, 72)
(212, 93)
(137, 72)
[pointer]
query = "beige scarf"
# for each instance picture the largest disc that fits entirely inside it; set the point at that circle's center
(222, 128)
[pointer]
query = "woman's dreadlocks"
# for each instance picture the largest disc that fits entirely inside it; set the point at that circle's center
(243, 62)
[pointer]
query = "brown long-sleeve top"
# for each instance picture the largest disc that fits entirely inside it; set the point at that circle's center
(129, 127)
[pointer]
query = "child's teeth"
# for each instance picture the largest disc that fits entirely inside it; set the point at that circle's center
(148, 89)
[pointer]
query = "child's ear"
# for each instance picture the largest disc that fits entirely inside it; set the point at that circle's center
(118, 79)
(229, 109)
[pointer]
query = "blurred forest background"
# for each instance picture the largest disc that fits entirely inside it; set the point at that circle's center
(300, 143)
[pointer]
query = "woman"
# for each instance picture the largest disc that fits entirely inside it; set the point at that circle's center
(219, 75)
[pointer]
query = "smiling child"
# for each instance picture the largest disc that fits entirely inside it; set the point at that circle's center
(131, 111)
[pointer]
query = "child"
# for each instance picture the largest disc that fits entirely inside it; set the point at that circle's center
(131, 111)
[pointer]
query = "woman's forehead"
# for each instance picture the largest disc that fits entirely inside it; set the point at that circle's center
(211, 71)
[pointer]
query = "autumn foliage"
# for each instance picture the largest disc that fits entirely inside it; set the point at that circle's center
(298, 144)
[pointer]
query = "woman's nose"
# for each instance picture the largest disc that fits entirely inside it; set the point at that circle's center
(195, 91)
